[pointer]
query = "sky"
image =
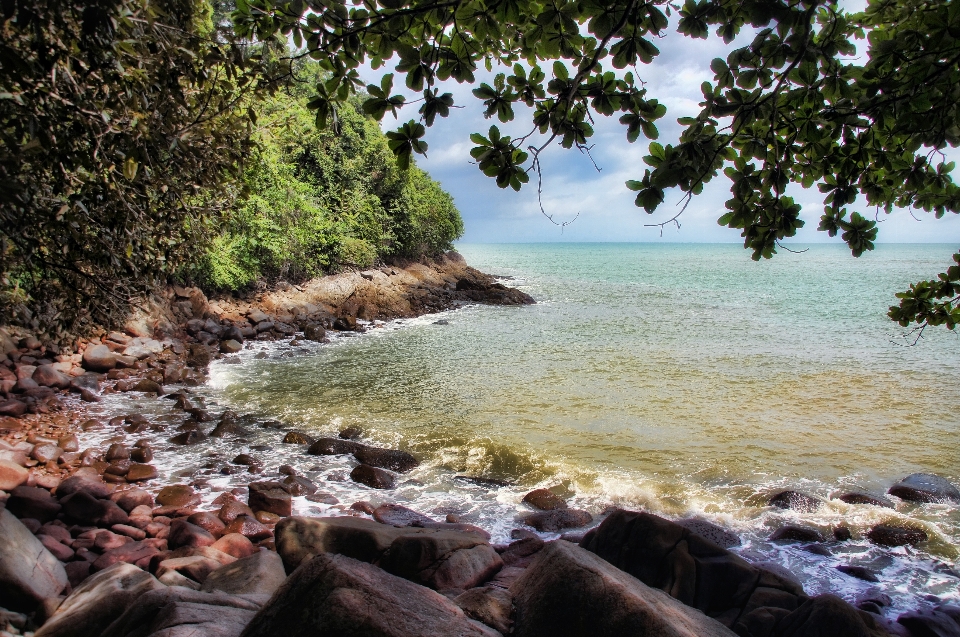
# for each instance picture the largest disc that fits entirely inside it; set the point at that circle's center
(598, 203)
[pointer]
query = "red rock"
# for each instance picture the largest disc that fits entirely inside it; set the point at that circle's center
(208, 522)
(77, 572)
(196, 567)
(129, 531)
(69, 443)
(59, 551)
(157, 530)
(183, 533)
(46, 452)
(34, 503)
(57, 532)
(118, 468)
(129, 553)
(12, 475)
(80, 481)
(545, 500)
(107, 540)
(84, 508)
(50, 376)
(179, 495)
(249, 527)
(372, 477)
(129, 499)
(235, 544)
(99, 358)
(141, 472)
(232, 510)
(271, 497)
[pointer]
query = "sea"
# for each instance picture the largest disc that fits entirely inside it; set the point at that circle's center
(685, 380)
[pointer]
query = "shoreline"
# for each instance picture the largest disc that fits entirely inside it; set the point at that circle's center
(352, 297)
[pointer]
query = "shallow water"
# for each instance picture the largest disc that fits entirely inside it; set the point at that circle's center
(682, 379)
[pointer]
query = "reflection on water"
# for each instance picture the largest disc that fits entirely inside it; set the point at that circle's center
(688, 380)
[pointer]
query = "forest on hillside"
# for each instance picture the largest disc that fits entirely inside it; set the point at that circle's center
(141, 143)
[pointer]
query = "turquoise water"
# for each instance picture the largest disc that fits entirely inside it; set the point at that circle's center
(682, 379)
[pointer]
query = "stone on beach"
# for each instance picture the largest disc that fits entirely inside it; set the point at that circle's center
(333, 447)
(866, 498)
(29, 573)
(298, 438)
(558, 519)
(179, 495)
(12, 475)
(545, 500)
(392, 459)
(372, 477)
(99, 358)
(261, 573)
(796, 533)
(889, 535)
(796, 501)
(925, 487)
(177, 611)
(271, 497)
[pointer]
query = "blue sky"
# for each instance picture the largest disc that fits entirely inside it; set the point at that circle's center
(573, 186)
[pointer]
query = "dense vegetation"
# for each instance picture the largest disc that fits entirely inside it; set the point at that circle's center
(800, 104)
(131, 154)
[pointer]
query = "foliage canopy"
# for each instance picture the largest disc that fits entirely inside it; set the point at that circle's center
(796, 105)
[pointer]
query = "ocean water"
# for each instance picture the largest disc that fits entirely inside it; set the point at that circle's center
(685, 380)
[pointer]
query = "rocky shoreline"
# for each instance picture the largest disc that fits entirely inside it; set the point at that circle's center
(90, 544)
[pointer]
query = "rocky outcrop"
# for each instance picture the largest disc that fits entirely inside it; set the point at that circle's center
(333, 595)
(177, 611)
(925, 487)
(570, 592)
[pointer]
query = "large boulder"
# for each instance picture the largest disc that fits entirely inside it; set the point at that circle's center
(334, 595)
(925, 487)
(33, 502)
(827, 615)
(12, 475)
(372, 477)
(259, 574)
(50, 376)
(97, 602)
(333, 447)
(99, 358)
(29, 573)
(489, 605)
(83, 508)
(178, 611)
(271, 497)
(570, 592)
(690, 568)
(438, 558)
(392, 459)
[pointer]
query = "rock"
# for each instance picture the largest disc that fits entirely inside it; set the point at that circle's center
(234, 544)
(129, 531)
(795, 533)
(195, 567)
(256, 316)
(692, 569)
(260, 574)
(271, 497)
(97, 602)
(333, 447)
(85, 509)
(29, 573)
(859, 572)
(12, 407)
(298, 438)
(488, 605)
(12, 475)
(438, 558)
(50, 376)
(230, 346)
(232, 332)
(146, 385)
(351, 433)
(142, 454)
(887, 535)
(188, 438)
(558, 519)
(46, 452)
(866, 498)
(209, 522)
(117, 451)
(130, 553)
(177, 611)
(716, 534)
(323, 498)
(519, 552)
(829, 615)
(93, 486)
(182, 533)
(392, 459)
(796, 501)
(568, 591)
(77, 572)
(943, 621)
(925, 487)
(337, 595)
(372, 477)
(842, 534)
(398, 516)
(33, 502)
(314, 332)
(230, 511)
(297, 486)
(178, 495)
(545, 500)
(176, 578)
(99, 358)
(248, 527)
(141, 472)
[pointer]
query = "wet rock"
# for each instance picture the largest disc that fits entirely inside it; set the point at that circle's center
(372, 477)
(692, 569)
(145, 385)
(392, 459)
(829, 615)
(130, 553)
(796, 501)
(50, 376)
(177, 611)
(227, 427)
(490, 483)
(859, 572)
(178, 495)
(99, 358)
(230, 511)
(519, 553)
(142, 454)
(298, 438)
(314, 332)
(84, 509)
(209, 522)
(96, 603)
(925, 487)
(195, 567)
(183, 533)
(399, 516)
(261, 573)
(488, 605)
(235, 544)
(324, 498)
(333, 447)
(888, 535)
(12, 407)
(93, 486)
(248, 527)
(842, 534)
(558, 519)
(33, 502)
(795, 533)
(188, 438)
(29, 573)
(12, 475)
(139, 472)
(716, 534)
(232, 332)
(943, 621)
(230, 346)
(344, 596)
(46, 452)
(351, 433)
(297, 486)
(545, 500)
(866, 498)
(571, 592)
(271, 497)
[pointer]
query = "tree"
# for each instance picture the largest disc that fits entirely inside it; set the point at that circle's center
(794, 106)
(121, 122)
